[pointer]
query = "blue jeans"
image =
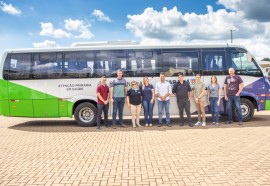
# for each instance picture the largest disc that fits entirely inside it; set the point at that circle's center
(148, 111)
(118, 105)
(104, 108)
(161, 105)
(236, 100)
(214, 109)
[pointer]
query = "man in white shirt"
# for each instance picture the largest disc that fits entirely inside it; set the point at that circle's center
(163, 91)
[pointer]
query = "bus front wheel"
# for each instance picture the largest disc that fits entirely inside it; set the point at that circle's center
(85, 114)
(247, 109)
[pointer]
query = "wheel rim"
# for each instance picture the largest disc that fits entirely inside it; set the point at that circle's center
(245, 110)
(86, 114)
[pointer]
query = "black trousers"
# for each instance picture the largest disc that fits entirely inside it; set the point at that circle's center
(184, 104)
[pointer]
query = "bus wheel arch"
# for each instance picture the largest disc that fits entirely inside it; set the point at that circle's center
(85, 113)
(248, 105)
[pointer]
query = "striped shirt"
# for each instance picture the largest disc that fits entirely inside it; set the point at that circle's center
(118, 87)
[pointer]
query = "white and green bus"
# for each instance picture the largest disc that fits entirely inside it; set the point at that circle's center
(61, 82)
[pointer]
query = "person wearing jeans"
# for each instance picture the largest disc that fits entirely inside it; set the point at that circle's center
(233, 86)
(102, 102)
(148, 100)
(236, 100)
(214, 99)
(118, 106)
(163, 91)
(117, 95)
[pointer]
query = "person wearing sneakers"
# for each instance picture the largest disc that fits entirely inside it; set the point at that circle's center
(163, 91)
(214, 99)
(102, 101)
(134, 101)
(182, 91)
(233, 86)
(148, 100)
(199, 96)
(117, 94)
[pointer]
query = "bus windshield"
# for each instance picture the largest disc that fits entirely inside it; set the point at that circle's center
(244, 64)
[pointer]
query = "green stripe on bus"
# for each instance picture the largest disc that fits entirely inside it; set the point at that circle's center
(27, 102)
(267, 105)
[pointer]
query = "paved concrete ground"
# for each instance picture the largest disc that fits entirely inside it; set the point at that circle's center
(58, 152)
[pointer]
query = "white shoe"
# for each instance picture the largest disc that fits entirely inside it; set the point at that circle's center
(146, 125)
(150, 124)
(198, 123)
(139, 125)
(203, 124)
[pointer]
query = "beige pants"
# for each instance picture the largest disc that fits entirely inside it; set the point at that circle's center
(135, 113)
(201, 110)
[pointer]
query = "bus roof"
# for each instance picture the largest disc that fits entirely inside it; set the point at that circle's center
(118, 46)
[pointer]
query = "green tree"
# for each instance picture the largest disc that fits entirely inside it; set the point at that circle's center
(266, 59)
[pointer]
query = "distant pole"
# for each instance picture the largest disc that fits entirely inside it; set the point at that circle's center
(232, 35)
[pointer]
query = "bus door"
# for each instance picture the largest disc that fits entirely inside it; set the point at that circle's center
(213, 63)
(4, 102)
(19, 97)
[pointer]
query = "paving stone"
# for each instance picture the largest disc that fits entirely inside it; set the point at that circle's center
(58, 152)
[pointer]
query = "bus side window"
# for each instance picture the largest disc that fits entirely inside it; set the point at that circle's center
(147, 65)
(180, 61)
(7, 68)
(47, 66)
(213, 63)
(100, 68)
(139, 71)
(20, 66)
(78, 64)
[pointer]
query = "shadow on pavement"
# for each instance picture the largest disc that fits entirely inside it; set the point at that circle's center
(62, 126)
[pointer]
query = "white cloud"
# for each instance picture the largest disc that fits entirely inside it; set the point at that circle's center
(10, 9)
(78, 25)
(101, 16)
(171, 26)
(154, 24)
(47, 29)
(46, 44)
(251, 9)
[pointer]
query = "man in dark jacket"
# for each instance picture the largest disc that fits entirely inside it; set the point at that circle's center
(182, 91)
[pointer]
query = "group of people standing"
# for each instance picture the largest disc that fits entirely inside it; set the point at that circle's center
(144, 96)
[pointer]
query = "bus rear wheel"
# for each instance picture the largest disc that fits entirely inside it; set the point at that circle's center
(247, 109)
(85, 114)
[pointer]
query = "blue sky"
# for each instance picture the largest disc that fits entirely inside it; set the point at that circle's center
(51, 23)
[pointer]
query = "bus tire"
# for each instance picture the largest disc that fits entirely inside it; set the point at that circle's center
(85, 114)
(247, 109)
